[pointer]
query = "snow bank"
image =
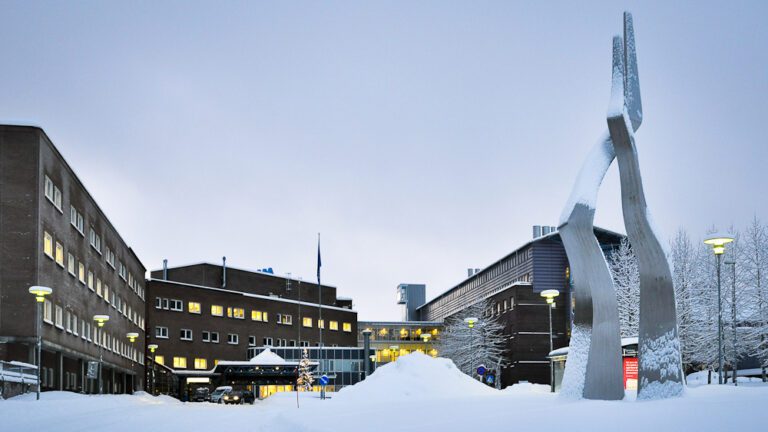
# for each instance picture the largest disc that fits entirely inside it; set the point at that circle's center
(415, 376)
(527, 389)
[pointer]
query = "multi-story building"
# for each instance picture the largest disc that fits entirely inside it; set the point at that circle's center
(54, 234)
(392, 339)
(201, 314)
(512, 287)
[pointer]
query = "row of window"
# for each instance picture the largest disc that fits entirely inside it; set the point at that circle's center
(69, 322)
(55, 251)
(239, 313)
(53, 194)
(181, 362)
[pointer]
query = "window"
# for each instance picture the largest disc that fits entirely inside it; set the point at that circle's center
(186, 334)
(158, 303)
(201, 363)
(206, 335)
(180, 362)
(88, 330)
(110, 257)
(90, 282)
(122, 271)
(68, 321)
(238, 313)
(59, 317)
(304, 343)
(48, 244)
(95, 240)
(347, 327)
(53, 193)
(76, 219)
(71, 265)
(161, 332)
(256, 315)
(177, 305)
(217, 310)
(268, 341)
(284, 319)
(251, 340)
(306, 322)
(59, 254)
(214, 337)
(321, 323)
(48, 311)
(233, 339)
(194, 307)
(81, 273)
(159, 359)
(106, 293)
(334, 325)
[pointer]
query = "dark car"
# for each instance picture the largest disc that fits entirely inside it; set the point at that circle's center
(201, 394)
(238, 397)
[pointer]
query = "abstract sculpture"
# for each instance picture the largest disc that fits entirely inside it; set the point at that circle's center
(593, 370)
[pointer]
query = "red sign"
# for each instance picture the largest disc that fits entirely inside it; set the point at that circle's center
(630, 373)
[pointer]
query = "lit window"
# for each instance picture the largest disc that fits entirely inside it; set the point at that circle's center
(201, 363)
(285, 319)
(347, 327)
(233, 339)
(60, 254)
(217, 310)
(71, 264)
(256, 315)
(81, 273)
(306, 322)
(48, 244)
(180, 362)
(321, 323)
(265, 317)
(334, 325)
(238, 313)
(160, 359)
(194, 307)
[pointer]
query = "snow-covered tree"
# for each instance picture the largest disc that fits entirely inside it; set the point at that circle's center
(305, 379)
(626, 280)
(470, 347)
(685, 279)
(754, 264)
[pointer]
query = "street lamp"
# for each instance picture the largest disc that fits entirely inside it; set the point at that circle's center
(718, 242)
(471, 321)
(550, 295)
(39, 292)
(733, 320)
(152, 348)
(100, 321)
(132, 338)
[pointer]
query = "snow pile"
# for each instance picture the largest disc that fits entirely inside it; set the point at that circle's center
(528, 389)
(415, 376)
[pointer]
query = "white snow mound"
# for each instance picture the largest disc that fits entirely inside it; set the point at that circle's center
(415, 376)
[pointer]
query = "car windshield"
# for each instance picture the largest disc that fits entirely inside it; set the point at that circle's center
(219, 391)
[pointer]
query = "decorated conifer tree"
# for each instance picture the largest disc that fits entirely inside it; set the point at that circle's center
(305, 379)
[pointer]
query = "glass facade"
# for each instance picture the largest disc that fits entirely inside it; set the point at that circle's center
(390, 340)
(343, 365)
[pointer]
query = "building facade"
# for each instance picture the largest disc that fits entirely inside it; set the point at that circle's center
(512, 287)
(54, 234)
(392, 339)
(202, 314)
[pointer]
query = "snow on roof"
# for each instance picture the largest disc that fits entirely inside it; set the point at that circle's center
(564, 350)
(260, 272)
(267, 358)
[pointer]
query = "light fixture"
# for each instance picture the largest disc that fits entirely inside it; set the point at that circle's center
(718, 242)
(40, 292)
(101, 319)
(132, 336)
(550, 295)
(426, 337)
(152, 348)
(471, 321)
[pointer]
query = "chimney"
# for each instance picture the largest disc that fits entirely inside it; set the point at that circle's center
(536, 231)
(223, 272)
(165, 269)
(470, 272)
(545, 230)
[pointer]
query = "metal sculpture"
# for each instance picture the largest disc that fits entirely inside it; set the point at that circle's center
(593, 370)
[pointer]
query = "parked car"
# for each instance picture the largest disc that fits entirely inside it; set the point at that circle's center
(233, 398)
(201, 394)
(219, 393)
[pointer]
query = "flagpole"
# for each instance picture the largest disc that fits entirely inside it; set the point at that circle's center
(320, 313)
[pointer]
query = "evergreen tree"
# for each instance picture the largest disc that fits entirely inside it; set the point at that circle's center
(305, 378)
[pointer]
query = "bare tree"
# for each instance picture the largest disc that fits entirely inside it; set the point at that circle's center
(484, 343)
(683, 257)
(626, 281)
(754, 265)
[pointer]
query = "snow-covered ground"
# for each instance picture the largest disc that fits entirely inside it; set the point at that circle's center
(416, 393)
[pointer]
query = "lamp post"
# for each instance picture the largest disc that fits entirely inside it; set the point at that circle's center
(550, 295)
(718, 242)
(733, 320)
(426, 337)
(366, 350)
(39, 292)
(471, 321)
(152, 348)
(100, 321)
(132, 338)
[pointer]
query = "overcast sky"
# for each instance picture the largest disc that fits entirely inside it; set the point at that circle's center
(420, 138)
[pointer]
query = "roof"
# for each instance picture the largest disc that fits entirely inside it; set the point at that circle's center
(259, 296)
(267, 358)
(259, 272)
(549, 236)
(627, 341)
